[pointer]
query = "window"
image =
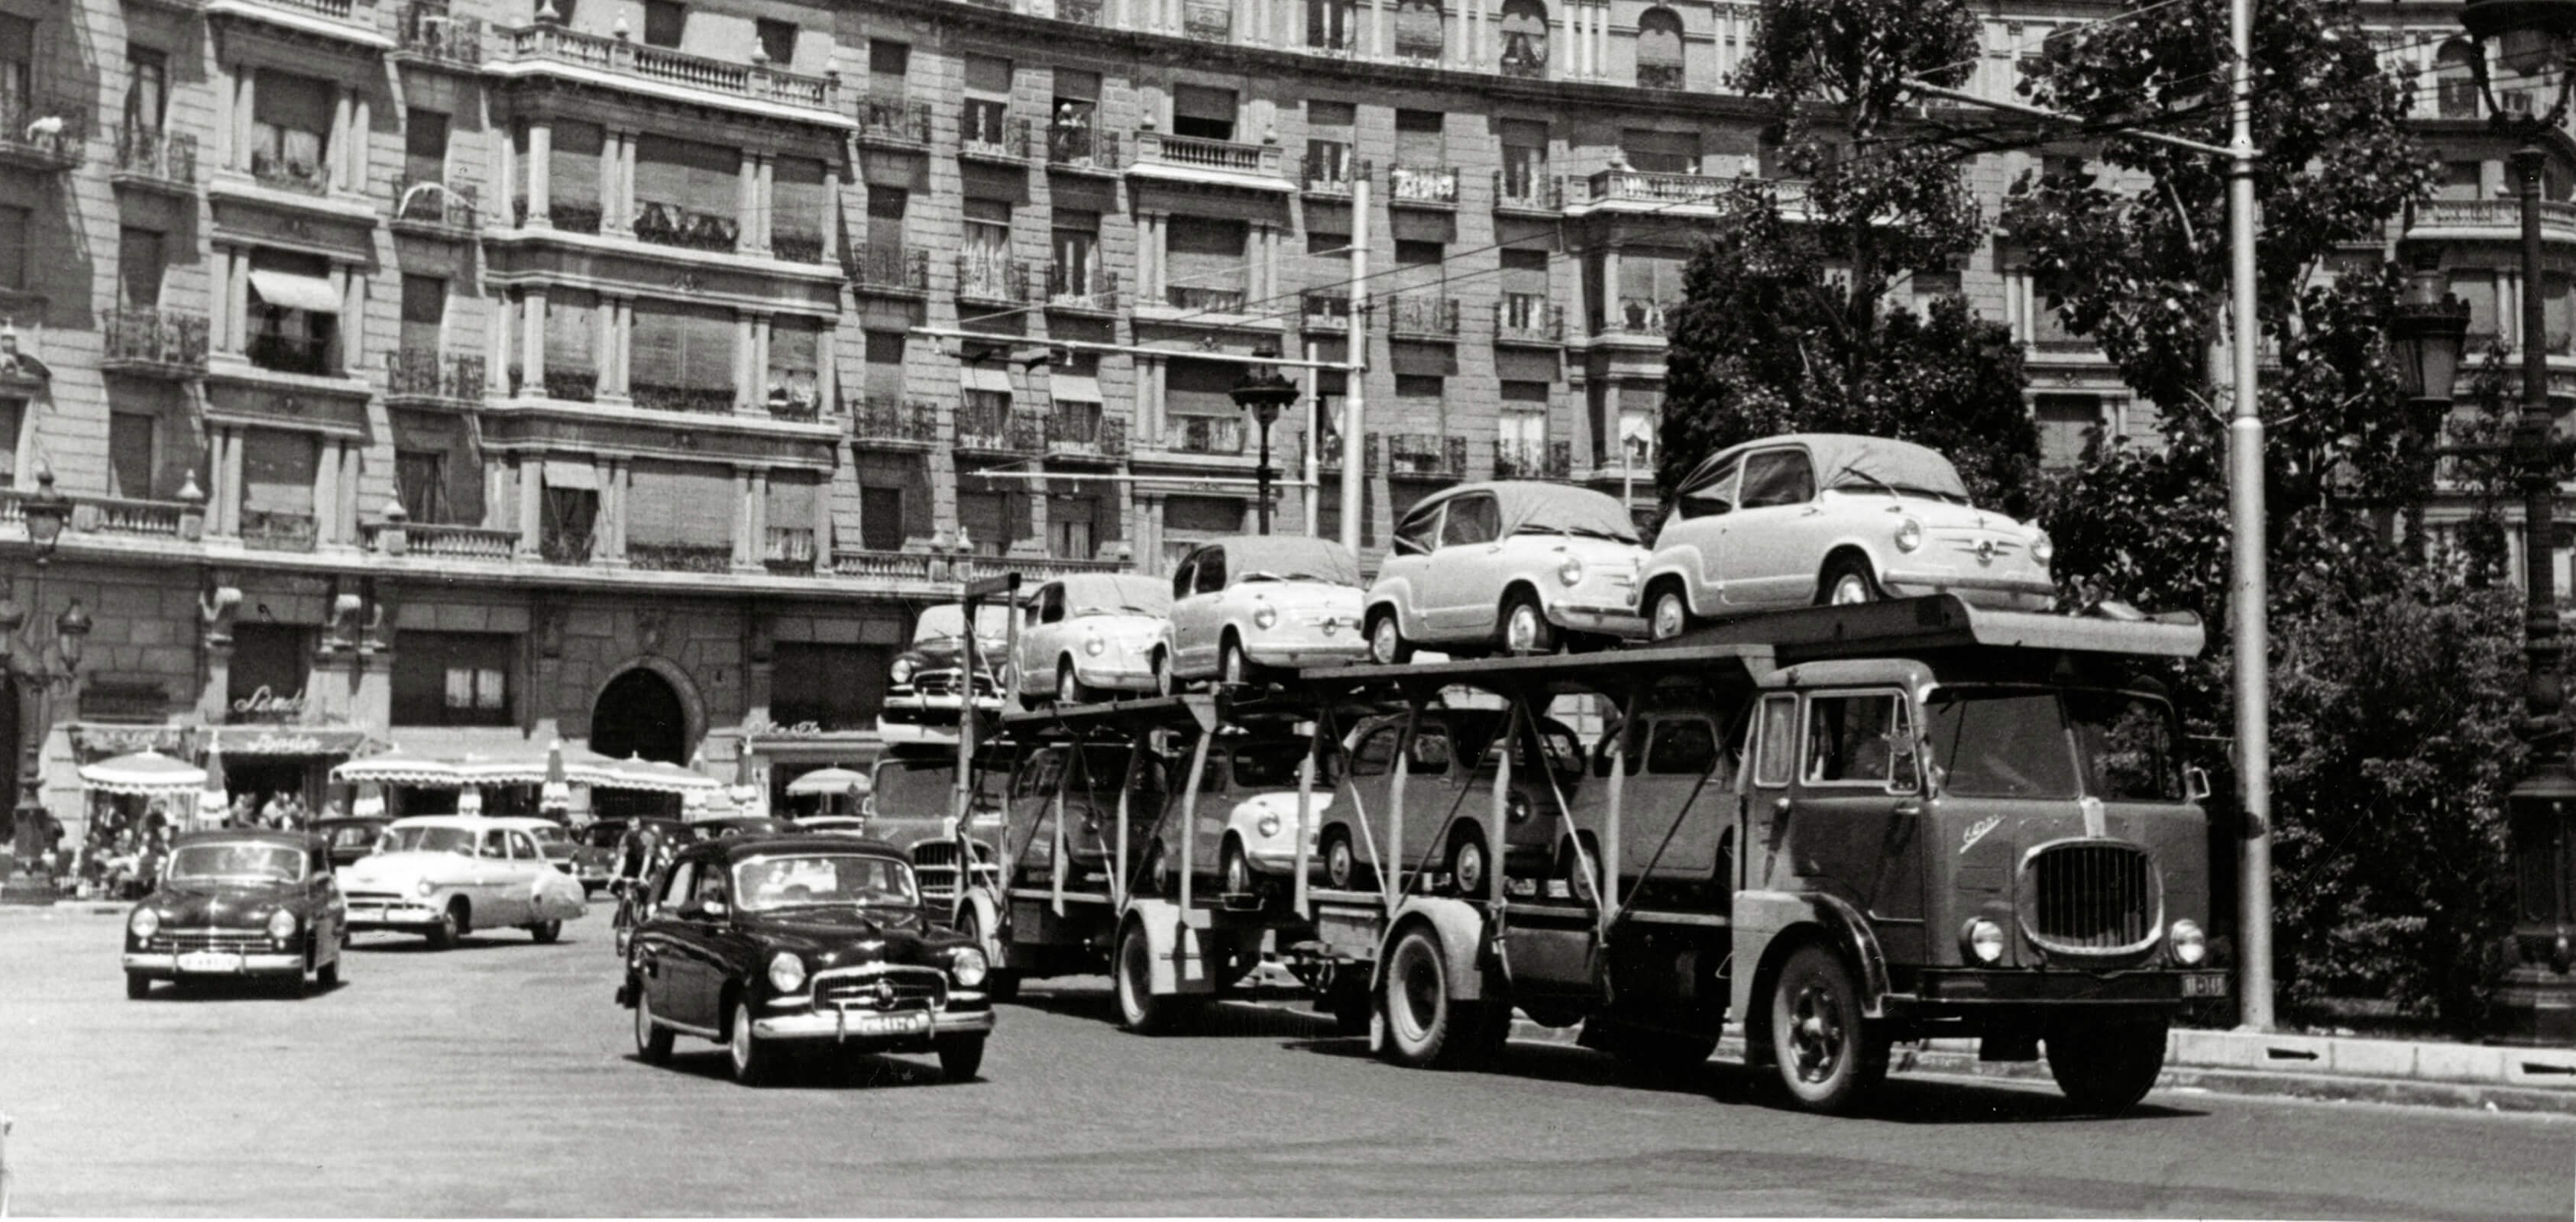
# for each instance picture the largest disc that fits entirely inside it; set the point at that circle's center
(1069, 527)
(1524, 31)
(1660, 152)
(130, 457)
(14, 224)
(1204, 264)
(2455, 75)
(881, 519)
(147, 90)
(1332, 24)
(1418, 137)
(1328, 165)
(1418, 32)
(777, 40)
(836, 687)
(269, 663)
(17, 62)
(424, 312)
(1208, 576)
(663, 22)
(1779, 740)
(1778, 477)
(420, 481)
(1524, 159)
(2000, 744)
(1077, 253)
(139, 264)
(291, 131)
(1859, 740)
(1472, 520)
(1418, 529)
(277, 486)
(12, 413)
(2068, 424)
(1714, 495)
(1659, 50)
(1430, 751)
(1375, 755)
(988, 243)
(1415, 252)
(1198, 110)
(453, 678)
(1685, 746)
(1420, 386)
(571, 515)
(886, 58)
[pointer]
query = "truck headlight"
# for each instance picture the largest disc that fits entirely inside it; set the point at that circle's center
(967, 964)
(145, 922)
(1265, 617)
(786, 972)
(1094, 645)
(2042, 549)
(901, 671)
(2190, 945)
(1570, 573)
(1983, 940)
(1269, 824)
(281, 925)
(1909, 535)
(424, 888)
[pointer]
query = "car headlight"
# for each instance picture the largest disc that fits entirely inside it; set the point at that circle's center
(901, 671)
(2042, 549)
(281, 925)
(1983, 940)
(1909, 535)
(967, 964)
(2190, 945)
(1269, 824)
(1571, 572)
(424, 888)
(1265, 617)
(1517, 807)
(1093, 645)
(786, 972)
(145, 922)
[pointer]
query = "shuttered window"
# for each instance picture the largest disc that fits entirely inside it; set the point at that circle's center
(679, 503)
(1418, 139)
(989, 74)
(1200, 388)
(683, 346)
(1199, 110)
(574, 167)
(884, 364)
(278, 469)
(1205, 253)
(572, 328)
(798, 187)
(1660, 152)
(1524, 365)
(793, 378)
(701, 178)
(792, 498)
(1216, 514)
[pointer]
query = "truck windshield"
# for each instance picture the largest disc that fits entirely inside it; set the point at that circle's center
(2032, 743)
(913, 790)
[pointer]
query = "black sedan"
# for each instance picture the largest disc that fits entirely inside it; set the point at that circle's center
(235, 905)
(350, 838)
(765, 943)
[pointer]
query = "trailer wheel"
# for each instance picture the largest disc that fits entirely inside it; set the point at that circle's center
(1426, 1026)
(1138, 1009)
(2105, 1068)
(1830, 1056)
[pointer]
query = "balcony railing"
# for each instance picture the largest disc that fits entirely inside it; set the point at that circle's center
(796, 246)
(160, 159)
(556, 546)
(1085, 433)
(2504, 216)
(1000, 432)
(1422, 314)
(1636, 316)
(1528, 318)
(168, 343)
(449, 377)
(1332, 175)
(570, 383)
(987, 277)
(1524, 63)
(432, 203)
(788, 549)
(42, 133)
(114, 515)
(681, 557)
(273, 531)
(668, 224)
(881, 419)
(1203, 300)
(1079, 12)
(1661, 76)
(1326, 311)
(894, 120)
(292, 354)
(1081, 146)
(900, 566)
(450, 542)
(1006, 141)
(890, 269)
(701, 400)
(1203, 435)
(1094, 288)
(1515, 458)
(1426, 454)
(338, 9)
(287, 174)
(431, 32)
(1208, 20)
(1328, 451)
(1422, 184)
(553, 43)
(1651, 187)
(1201, 153)
(1530, 190)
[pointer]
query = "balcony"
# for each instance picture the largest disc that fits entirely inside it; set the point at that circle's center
(1080, 147)
(284, 174)
(1519, 459)
(431, 206)
(988, 278)
(271, 531)
(1215, 162)
(1523, 62)
(1422, 315)
(422, 377)
(1079, 12)
(1662, 76)
(1422, 186)
(696, 400)
(304, 354)
(899, 271)
(1527, 318)
(1330, 177)
(1644, 190)
(569, 383)
(2498, 220)
(988, 432)
(1328, 451)
(1325, 311)
(667, 224)
(1203, 300)
(681, 557)
(788, 550)
(895, 122)
(1426, 456)
(431, 34)
(566, 216)
(553, 44)
(116, 515)
(794, 395)
(559, 546)
(1006, 141)
(796, 246)
(1221, 435)
(889, 566)
(1636, 316)
(42, 134)
(154, 343)
(156, 161)
(444, 540)
(1093, 289)
(883, 420)
(1528, 190)
(1080, 435)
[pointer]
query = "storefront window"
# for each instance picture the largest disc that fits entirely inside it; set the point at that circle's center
(454, 678)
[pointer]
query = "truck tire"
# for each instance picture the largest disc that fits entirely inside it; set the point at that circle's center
(1000, 983)
(2106, 1067)
(1427, 1027)
(1830, 1056)
(1132, 980)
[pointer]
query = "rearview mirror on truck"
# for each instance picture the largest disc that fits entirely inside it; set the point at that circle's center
(2195, 782)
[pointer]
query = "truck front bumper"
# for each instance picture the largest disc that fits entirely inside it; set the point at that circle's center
(1969, 988)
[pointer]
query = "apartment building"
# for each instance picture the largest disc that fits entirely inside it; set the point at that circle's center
(465, 375)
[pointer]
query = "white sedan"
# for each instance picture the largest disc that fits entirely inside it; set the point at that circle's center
(1255, 601)
(1088, 634)
(443, 876)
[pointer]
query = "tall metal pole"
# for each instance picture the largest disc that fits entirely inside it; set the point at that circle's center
(2250, 601)
(1354, 476)
(1314, 429)
(2532, 453)
(1263, 473)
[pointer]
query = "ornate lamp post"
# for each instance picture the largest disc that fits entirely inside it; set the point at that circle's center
(2426, 337)
(35, 669)
(1264, 391)
(2536, 1002)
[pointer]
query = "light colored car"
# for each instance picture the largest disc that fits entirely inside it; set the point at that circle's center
(443, 876)
(1833, 518)
(1087, 634)
(1255, 601)
(1246, 815)
(1513, 566)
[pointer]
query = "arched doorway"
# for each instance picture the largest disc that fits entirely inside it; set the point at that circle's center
(639, 713)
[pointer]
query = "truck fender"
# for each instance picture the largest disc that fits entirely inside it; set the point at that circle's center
(1461, 930)
(1764, 924)
(1180, 952)
(976, 902)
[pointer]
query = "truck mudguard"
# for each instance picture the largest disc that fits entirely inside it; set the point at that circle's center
(1462, 941)
(978, 904)
(1180, 952)
(1763, 917)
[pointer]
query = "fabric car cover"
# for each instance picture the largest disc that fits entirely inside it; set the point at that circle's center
(1546, 508)
(1287, 555)
(1846, 460)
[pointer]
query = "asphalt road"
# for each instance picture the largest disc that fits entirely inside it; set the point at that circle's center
(497, 1078)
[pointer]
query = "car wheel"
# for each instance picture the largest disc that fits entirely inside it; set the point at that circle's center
(1829, 1056)
(1236, 670)
(1234, 869)
(751, 1059)
(652, 1040)
(1467, 862)
(1069, 687)
(546, 931)
(450, 927)
(1524, 626)
(2105, 1068)
(1387, 646)
(1165, 682)
(1138, 1009)
(1845, 581)
(959, 1056)
(1426, 1026)
(1667, 614)
(1342, 868)
(1582, 883)
(137, 985)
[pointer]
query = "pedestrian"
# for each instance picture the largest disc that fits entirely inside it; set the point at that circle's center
(273, 813)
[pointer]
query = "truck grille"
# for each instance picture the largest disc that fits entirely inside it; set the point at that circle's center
(2091, 897)
(881, 988)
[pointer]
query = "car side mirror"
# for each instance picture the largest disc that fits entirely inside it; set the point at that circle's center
(2195, 782)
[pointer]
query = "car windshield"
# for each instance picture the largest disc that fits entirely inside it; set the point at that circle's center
(1853, 479)
(427, 840)
(817, 880)
(2038, 743)
(914, 789)
(352, 836)
(1118, 593)
(942, 621)
(274, 863)
(1275, 765)
(547, 833)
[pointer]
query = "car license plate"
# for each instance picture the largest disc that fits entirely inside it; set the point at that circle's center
(2207, 984)
(210, 961)
(889, 1024)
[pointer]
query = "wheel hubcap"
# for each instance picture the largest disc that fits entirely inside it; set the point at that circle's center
(1337, 863)
(1668, 616)
(1816, 1033)
(1237, 878)
(1421, 995)
(1849, 588)
(1523, 635)
(1064, 686)
(1384, 641)
(741, 1037)
(1471, 869)
(1234, 665)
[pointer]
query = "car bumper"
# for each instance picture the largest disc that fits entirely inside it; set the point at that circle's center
(1276, 858)
(175, 964)
(1617, 619)
(1115, 674)
(1306, 653)
(392, 916)
(841, 1026)
(933, 710)
(2013, 591)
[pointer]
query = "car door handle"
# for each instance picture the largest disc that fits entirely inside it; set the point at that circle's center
(1908, 808)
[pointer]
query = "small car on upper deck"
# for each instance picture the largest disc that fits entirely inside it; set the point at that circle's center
(1512, 566)
(927, 684)
(1253, 601)
(1089, 634)
(235, 904)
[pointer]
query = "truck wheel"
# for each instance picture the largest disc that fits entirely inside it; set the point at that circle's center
(1387, 646)
(1426, 1027)
(1830, 1057)
(1524, 627)
(1138, 1009)
(2105, 1068)
(959, 1056)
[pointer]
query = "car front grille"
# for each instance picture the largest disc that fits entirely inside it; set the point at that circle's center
(184, 940)
(374, 897)
(2091, 897)
(945, 683)
(881, 988)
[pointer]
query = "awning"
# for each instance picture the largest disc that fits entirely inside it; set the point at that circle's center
(295, 292)
(580, 766)
(392, 769)
(144, 773)
(563, 473)
(828, 781)
(986, 377)
(652, 776)
(1074, 388)
(288, 740)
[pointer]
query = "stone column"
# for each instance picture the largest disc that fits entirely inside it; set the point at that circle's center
(243, 102)
(214, 700)
(532, 342)
(833, 184)
(756, 228)
(827, 373)
(336, 143)
(229, 80)
(326, 494)
(616, 194)
(823, 525)
(541, 155)
(226, 516)
(497, 377)
(531, 471)
(359, 118)
(353, 317)
(745, 340)
(239, 295)
(220, 308)
(350, 455)
(620, 479)
(505, 162)
(746, 204)
(751, 489)
(624, 360)
(758, 399)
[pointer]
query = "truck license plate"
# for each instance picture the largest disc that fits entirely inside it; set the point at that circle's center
(889, 1024)
(2208, 984)
(210, 961)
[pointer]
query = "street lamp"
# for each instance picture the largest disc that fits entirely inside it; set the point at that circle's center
(2425, 337)
(35, 669)
(1264, 391)
(2536, 1001)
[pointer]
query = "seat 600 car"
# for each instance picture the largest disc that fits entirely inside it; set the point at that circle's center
(761, 943)
(1449, 763)
(1247, 815)
(1242, 604)
(1089, 635)
(238, 904)
(1507, 567)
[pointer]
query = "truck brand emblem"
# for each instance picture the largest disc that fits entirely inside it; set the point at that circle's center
(1977, 831)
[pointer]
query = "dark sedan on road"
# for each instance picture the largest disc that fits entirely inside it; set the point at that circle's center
(235, 905)
(766, 942)
(350, 839)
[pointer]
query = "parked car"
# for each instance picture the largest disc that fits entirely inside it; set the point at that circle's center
(1512, 567)
(1815, 518)
(1246, 815)
(1451, 761)
(443, 876)
(1255, 601)
(926, 684)
(351, 838)
(585, 864)
(1089, 634)
(757, 942)
(234, 904)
